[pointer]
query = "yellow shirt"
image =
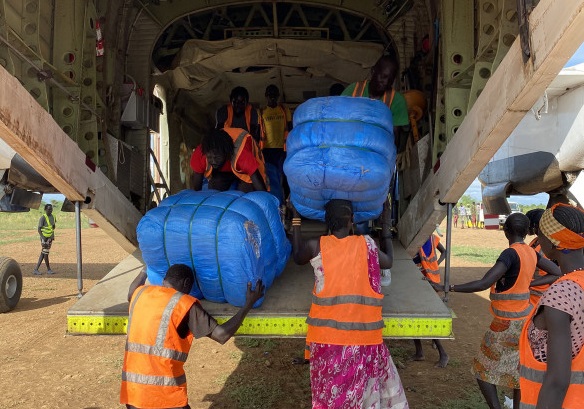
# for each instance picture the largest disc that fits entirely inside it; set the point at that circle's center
(275, 122)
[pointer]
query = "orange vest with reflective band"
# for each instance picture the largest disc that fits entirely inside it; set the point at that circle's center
(153, 374)
(536, 292)
(429, 263)
(513, 304)
(239, 137)
(229, 120)
(347, 311)
(532, 372)
(360, 88)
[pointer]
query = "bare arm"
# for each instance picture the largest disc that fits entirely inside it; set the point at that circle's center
(258, 182)
(222, 333)
(442, 251)
(559, 359)
(302, 251)
(547, 279)
(196, 181)
(386, 250)
(490, 278)
(138, 281)
(549, 267)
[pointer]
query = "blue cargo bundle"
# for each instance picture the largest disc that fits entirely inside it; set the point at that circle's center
(340, 148)
(228, 238)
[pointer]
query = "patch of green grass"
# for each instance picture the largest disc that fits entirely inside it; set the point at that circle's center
(476, 254)
(30, 220)
(267, 344)
(18, 240)
(258, 393)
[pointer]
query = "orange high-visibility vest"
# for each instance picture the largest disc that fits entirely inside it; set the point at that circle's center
(347, 311)
(153, 374)
(536, 292)
(429, 263)
(360, 88)
(532, 372)
(229, 120)
(513, 304)
(239, 137)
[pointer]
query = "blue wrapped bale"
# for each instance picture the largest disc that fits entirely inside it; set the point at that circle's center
(228, 238)
(340, 148)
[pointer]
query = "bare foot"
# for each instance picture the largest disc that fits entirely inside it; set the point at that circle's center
(443, 361)
(418, 357)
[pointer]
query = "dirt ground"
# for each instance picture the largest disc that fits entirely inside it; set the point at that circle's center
(43, 367)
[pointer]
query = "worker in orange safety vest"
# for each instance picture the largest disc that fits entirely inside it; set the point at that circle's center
(551, 344)
(227, 157)
(239, 113)
(162, 323)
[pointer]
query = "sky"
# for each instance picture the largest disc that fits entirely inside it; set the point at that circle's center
(577, 58)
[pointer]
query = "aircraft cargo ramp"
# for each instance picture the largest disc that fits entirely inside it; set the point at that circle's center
(411, 308)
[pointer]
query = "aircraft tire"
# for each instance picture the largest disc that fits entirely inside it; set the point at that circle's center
(10, 284)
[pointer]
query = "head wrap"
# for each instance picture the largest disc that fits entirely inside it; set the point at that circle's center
(558, 234)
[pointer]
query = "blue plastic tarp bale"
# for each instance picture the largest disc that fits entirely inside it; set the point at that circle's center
(340, 148)
(228, 238)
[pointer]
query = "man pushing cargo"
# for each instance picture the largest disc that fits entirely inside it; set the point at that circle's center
(226, 157)
(162, 323)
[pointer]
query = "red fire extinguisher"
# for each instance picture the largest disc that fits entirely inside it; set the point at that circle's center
(99, 40)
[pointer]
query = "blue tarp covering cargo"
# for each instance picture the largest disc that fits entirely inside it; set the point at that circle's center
(340, 148)
(228, 238)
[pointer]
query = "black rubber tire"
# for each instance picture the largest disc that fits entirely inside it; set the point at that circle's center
(10, 284)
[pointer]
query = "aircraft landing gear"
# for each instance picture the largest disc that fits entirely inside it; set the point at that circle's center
(10, 284)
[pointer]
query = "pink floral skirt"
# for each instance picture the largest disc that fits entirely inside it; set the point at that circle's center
(354, 376)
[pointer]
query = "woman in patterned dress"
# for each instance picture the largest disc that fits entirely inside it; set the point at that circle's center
(552, 356)
(350, 366)
(497, 363)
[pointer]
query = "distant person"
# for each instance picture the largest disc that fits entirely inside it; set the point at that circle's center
(462, 215)
(497, 362)
(541, 279)
(336, 89)
(552, 353)
(228, 157)
(428, 262)
(473, 215)
(481, 216)
(276, 122)
(162, 324)
(46, 229)
(350, 365)
(239, 113)
(455, 215)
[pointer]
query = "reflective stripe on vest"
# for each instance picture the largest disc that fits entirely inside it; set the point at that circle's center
(346, 311)
(154, 380)
(513, 304)
(534, 375)
(153, 372)
(229, 121)
(360, 89)
(47, 230)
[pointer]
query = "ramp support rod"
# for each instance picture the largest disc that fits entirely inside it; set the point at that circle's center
(448, 250)
(79, 255)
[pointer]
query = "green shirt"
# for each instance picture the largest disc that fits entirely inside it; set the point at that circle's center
(399, 108)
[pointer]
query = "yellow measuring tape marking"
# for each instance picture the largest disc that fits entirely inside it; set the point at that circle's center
(95, 325)
(274, 326)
